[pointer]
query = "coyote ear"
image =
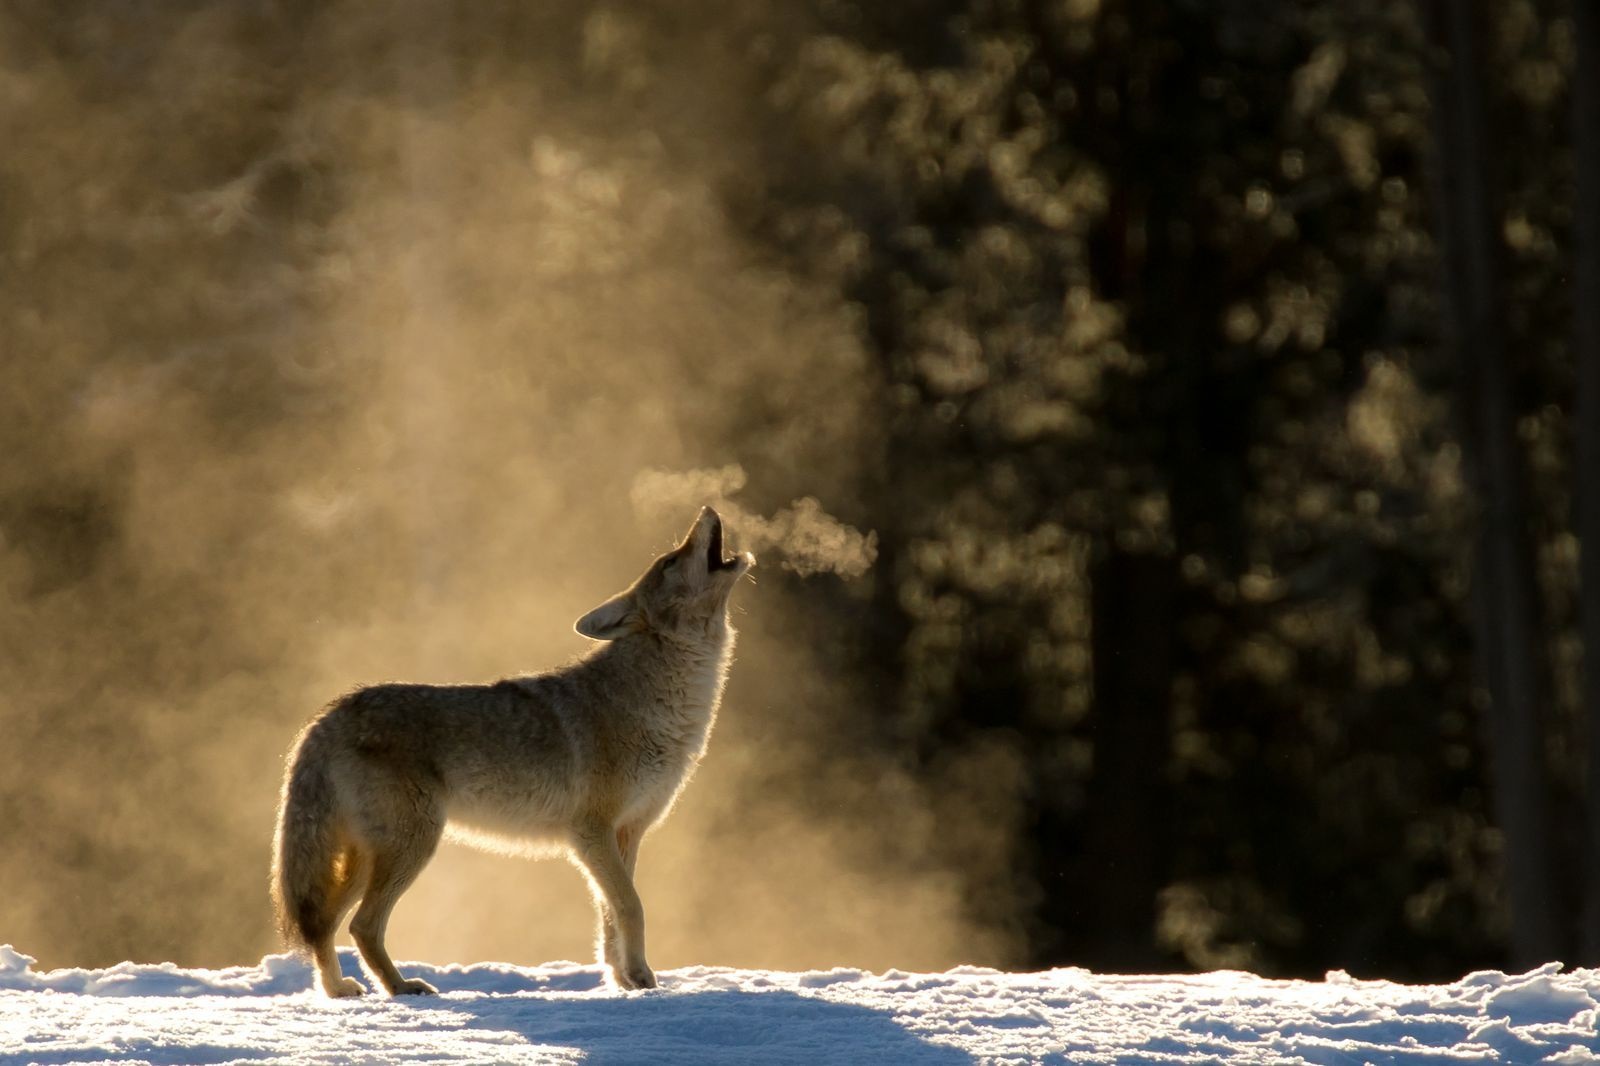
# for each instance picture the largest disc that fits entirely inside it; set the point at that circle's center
(612, 619)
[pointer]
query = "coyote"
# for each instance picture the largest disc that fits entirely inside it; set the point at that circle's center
(580, 761)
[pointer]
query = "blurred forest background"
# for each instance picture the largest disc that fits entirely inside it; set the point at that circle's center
(1219, 379)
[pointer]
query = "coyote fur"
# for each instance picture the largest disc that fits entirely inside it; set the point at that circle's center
(582, 760)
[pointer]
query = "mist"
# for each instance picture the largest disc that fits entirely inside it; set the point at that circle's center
(346, 344)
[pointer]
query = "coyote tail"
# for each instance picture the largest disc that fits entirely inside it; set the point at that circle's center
(305, 851)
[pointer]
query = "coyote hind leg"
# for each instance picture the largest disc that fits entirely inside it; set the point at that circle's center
(350, 870)
(332, 979)
(391, 873)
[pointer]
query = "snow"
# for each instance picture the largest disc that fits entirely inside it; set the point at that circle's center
(565, 1012)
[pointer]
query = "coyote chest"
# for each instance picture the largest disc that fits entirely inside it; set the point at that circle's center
(660, 747)
(624, 735)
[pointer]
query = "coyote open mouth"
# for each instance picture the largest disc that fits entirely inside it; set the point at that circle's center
(714, 559)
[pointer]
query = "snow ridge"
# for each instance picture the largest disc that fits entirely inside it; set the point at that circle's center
(565, 1012)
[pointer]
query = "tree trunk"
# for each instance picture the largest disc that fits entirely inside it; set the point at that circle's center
(1504, 591)
(1133, 599)
(1586, 350)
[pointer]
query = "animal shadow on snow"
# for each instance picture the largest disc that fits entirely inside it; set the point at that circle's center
(707, 1026)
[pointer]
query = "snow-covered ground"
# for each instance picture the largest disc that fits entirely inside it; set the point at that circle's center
(565, 1012)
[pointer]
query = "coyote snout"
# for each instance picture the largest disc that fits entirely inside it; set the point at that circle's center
(580, 761)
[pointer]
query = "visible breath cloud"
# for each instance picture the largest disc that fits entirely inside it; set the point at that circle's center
(804, 538)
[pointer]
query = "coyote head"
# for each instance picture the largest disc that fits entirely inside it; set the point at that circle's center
(684, 592)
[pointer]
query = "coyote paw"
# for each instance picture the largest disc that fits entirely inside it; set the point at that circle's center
(412, 986)
(346, 988)
(635, 977)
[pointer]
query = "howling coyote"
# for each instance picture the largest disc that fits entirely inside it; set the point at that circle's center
(582, 761)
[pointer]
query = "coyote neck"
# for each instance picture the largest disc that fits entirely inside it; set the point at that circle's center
(669, 686)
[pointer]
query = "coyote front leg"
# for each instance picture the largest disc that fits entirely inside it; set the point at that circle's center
(628, 846)
(601, 851)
